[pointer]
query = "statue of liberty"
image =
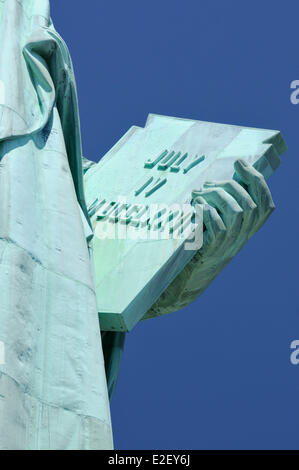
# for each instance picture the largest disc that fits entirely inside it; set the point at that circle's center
(60, 369)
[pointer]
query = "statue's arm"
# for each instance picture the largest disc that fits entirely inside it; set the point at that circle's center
(232, 212)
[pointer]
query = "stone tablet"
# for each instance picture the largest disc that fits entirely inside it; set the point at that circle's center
(139, 197)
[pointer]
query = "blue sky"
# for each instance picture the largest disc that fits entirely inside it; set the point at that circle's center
(216, 375)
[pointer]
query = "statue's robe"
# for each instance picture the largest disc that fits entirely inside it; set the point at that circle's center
(53, 392)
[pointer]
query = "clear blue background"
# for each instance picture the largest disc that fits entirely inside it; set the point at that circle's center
(216, 375)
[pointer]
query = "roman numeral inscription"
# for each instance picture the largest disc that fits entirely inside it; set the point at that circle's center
(167, 160)
(176, 218)
(151, 188)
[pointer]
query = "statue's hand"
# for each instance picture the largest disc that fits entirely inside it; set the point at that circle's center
(232, 212)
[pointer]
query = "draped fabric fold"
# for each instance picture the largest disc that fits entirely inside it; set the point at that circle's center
(45, 76)
(53, 391)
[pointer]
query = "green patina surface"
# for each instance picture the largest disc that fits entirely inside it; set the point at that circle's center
(158, 167)
(56, 277)
(53, 392)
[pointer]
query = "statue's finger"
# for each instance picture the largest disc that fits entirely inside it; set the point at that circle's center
(229, 209)
(237, 191)
(214, 228)
(244, 200)
(256, 187)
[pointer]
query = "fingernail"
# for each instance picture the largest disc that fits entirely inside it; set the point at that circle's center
(199, 200)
